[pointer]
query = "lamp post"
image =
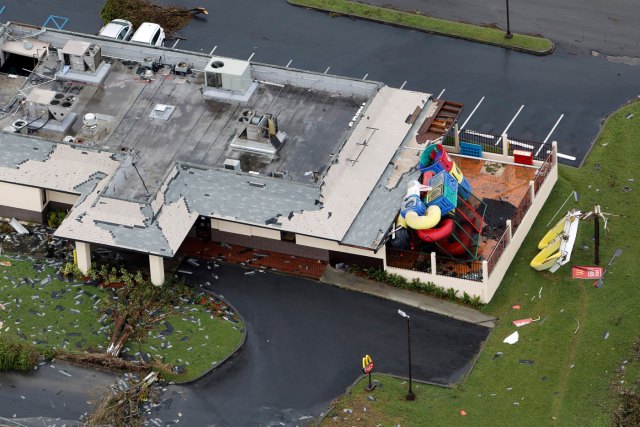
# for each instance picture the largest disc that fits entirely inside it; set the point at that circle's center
(508, 35)
(410, 394)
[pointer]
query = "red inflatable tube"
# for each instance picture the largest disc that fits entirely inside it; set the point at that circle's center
(435, 234)
(457, 248)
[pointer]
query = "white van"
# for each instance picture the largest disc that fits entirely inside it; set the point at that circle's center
(149, 33)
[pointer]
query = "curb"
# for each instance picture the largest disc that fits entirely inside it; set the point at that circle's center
(230, 355)
(488, 323)
(439, 33)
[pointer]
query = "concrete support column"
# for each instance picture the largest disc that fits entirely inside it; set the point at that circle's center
(83, 256)
(505, 145)
(532, 189)
(510, 230)
(433, 263)
(456, 136)
(554, 150)
(156, 267)
(485, 272)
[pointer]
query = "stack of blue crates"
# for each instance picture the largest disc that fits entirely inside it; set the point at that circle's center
(443, 193)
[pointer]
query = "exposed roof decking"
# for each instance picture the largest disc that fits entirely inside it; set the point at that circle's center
(356, 170)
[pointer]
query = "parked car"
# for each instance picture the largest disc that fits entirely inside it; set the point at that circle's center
(149, 33)
(118, 29)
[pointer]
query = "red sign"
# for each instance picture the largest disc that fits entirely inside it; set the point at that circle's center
(585, 272)
(368, 368)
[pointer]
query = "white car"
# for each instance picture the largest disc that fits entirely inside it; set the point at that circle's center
(118, 29)
(149, 33)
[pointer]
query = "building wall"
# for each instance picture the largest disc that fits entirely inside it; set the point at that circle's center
(501, 267)
(310, 247)
(61, 198)
(474, 289)
(272, 245)
(22, 202)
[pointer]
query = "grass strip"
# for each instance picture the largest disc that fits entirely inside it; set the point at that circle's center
(532, 44)
(574, 366)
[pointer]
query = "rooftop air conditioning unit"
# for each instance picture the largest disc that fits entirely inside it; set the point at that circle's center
(232, 164)
(229, 74)
(60, 105)
(181, 68)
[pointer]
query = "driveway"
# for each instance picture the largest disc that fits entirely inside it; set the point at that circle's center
(305, 344)
(304, 347)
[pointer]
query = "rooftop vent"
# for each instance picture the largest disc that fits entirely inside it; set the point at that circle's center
(232, 164)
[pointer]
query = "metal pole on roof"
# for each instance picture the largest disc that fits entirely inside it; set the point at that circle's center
(508, 35)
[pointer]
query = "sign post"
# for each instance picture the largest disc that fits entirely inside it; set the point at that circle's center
(367, 368)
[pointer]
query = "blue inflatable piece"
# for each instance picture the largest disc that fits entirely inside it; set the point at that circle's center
(412, 203)
(464, 189)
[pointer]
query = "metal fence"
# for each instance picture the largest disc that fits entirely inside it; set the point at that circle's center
(471, 270)
(409, 260)
(537, 148)
(497, 251)
(521, 211)
(492, 143)
(544, 170)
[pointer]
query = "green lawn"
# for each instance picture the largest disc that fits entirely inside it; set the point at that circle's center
(570, 382)
(426, 23)
(56, 315)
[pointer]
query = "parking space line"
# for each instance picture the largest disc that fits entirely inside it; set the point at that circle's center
(440, 94)
(251, 56)
(365, 76)
(58, 21)
(213, 50)
(512, 120)
(565, 156)
(288, 63)
(474, 110)
(175, 44)
(402, 87)
(549, 135)
(2, 9)
(484, 135)
(327, 70)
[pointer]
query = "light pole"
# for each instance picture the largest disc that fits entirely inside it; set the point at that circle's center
(508, 35)
(410, 394)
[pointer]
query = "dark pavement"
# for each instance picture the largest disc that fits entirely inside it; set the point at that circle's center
(304, 347)
(582, 88)
(607, 26)
(55, 390)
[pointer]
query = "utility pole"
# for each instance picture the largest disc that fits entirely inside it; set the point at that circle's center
(508, 35)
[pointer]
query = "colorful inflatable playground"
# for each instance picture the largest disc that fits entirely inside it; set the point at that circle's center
(439, 212)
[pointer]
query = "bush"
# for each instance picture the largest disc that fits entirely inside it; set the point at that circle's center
(55, 218)
(416, 284)
(17, 356)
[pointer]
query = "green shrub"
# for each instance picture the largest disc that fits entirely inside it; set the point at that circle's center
(16, 356)
(416, 284)
(55, 217)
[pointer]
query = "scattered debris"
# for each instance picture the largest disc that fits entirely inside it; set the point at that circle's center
(576, 331)
(18, 227)
(523, 322)
(497, 355)
(527, 361)
(605, 335)
(516, 307)
(512, 339)
(463, 413)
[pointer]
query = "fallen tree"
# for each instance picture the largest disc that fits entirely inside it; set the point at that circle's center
(170, 18)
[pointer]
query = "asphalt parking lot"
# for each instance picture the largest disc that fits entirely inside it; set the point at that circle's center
(570, 84)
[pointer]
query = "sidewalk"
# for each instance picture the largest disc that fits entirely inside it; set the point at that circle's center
(424, 302)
